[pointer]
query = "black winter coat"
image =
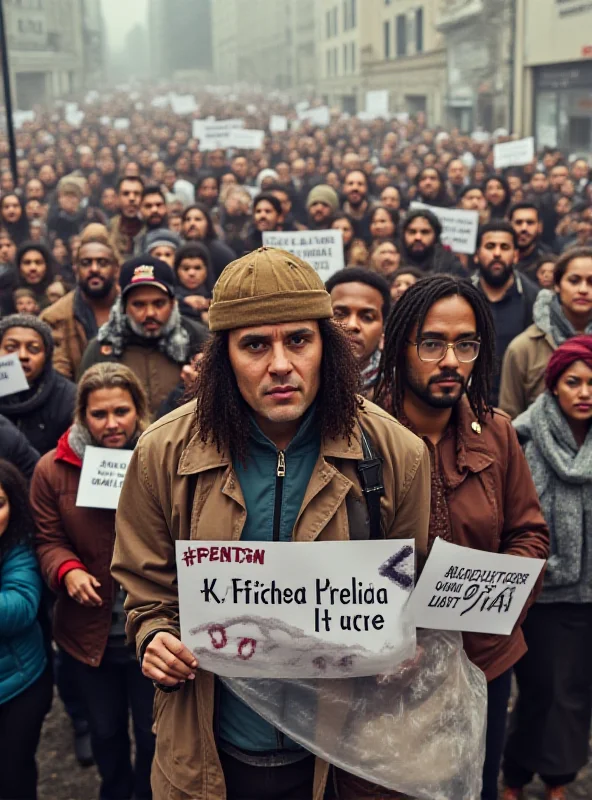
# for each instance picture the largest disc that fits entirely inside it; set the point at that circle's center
(14, 447)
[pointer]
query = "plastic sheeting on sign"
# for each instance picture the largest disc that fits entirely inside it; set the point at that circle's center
(420, 731)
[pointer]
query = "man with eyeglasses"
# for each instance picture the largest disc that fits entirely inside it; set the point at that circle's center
(436, 377)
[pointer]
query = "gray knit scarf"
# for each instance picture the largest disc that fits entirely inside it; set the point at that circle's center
(79, 439)
(562, 475)
(173, 340)
(548, 315)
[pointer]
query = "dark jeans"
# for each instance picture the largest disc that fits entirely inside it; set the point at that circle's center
(110, 691)
(67, 689)
(245, 782)
(20, 727)
(498, 696)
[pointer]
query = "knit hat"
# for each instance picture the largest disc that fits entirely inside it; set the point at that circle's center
(72, 184)
(29, 321)
(147, 271)
(162, 237)
(267, 286)
(578, 348)
(323, 193)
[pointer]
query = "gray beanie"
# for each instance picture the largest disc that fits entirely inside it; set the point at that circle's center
(162, 237)
(29, 321)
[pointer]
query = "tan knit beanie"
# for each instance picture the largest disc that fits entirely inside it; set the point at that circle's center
(323, 193)
(265, 287)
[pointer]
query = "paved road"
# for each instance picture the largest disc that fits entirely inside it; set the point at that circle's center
(60, 777)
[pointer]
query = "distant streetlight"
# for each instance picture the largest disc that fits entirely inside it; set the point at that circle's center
(7, 95)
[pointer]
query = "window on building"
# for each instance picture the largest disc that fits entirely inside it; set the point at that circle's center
(419, 30)
(345, 15)
(328, 20)
(353, 57)
(336, 61)
(354, 12)
(387, 39)
(335, 21)
(328, 63)
(345, 56)
(401, 35)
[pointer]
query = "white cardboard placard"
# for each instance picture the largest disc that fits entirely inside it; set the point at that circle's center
(246, 139)
(321, 116)
(323, 250)
(293, 609)
(278, 123)
(121, 124)
(101, 477)
(12, 377)
(461, 589)
(183, 104)
(513, 154)
(213, 133)
(459, 227)
(377, 104)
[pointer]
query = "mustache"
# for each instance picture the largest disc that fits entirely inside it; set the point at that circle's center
(446, 375)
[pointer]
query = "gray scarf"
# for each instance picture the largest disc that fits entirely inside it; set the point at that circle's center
(173, 340)
(562, 475)
(548, 315)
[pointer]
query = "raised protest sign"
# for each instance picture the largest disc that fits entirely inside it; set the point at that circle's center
(377, 104)
(246, 139)
(12, 377)
(278, 123)
(461, 589)
(320, 116)
(101, 478)
(296, 610)
(121, 124)
(323, 250)
(459, 227)
(214, 133)
(183, 103)
(513, 154)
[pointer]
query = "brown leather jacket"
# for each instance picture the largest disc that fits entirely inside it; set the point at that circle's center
(492, 505)
(156, 508)
(69, 537)
(69, 336)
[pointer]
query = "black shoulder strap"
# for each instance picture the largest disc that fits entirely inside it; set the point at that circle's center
(370, 473)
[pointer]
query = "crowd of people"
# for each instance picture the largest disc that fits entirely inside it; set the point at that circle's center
(117, 297)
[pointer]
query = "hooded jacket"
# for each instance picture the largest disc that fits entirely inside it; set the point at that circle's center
(156, 362)
(178, 488)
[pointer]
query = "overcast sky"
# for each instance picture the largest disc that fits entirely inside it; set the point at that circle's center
(120, 16)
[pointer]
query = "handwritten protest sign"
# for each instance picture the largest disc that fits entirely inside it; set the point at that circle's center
(323, 250)
(320, 116)
(183, 103)
(461, 589)
(513, 154)
(101, 478)
(12, 377)
(246, 139)
(214, 133)
(288, 610)
(459, 227)
(278, 123)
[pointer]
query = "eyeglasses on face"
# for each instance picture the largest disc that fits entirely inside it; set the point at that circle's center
(433, 350)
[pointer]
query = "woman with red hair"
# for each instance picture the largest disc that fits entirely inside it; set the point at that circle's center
(551, 722)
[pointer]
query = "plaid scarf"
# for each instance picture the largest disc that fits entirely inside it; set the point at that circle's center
(370, 372)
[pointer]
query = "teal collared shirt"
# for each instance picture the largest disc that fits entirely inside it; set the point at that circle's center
(238, 724)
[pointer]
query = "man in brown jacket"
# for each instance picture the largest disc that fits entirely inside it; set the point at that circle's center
(268, 452)
(439, 356)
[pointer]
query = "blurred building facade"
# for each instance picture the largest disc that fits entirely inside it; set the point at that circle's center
(180, 38)
(553, 75)
(55, 48)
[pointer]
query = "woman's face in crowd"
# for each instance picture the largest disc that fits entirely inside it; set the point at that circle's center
(195, 224)
(574, 392)
(575, 288)
(32, 267)
(401, 284)
(344, 225)
(7, 250)
(494, 193)
(111, 416)
(4, 511)
(545, 274)
(391, 198)
(11, 209)
(473, 200)
(192, 272)
(381, 224)
(28, 346)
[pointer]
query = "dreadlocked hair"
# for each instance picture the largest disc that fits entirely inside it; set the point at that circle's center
(222, 416)
(409, 312)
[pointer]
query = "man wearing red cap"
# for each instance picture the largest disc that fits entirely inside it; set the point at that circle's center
(145, 330)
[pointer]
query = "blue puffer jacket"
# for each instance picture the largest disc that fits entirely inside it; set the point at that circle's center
(22, 652)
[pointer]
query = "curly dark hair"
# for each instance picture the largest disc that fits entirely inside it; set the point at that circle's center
(411, 310)
(225, 424)
(20, 528)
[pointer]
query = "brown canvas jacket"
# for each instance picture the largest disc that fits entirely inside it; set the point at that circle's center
(523, 370)
(157, 507)
(69, 336)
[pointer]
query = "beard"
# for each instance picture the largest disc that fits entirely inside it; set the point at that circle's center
(156, 221)
(421, 255)
(140, 331)
(449, 397)
(496, 281)
(98, 293)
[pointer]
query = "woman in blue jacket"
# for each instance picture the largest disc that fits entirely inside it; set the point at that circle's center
(25, 675)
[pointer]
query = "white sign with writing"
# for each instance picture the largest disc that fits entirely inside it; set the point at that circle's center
(459, 227)
(296, 610)
(513, 154)
(213, 133)
(101, 478)
(278, 123)
(461, 589)
(377, 103)
(246, 139)
(121, 124)
(321, 116)
(12, 377)
(183, 103)
(323, 250)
